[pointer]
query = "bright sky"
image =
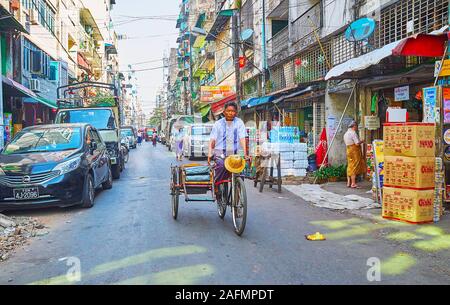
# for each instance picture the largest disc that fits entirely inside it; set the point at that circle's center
(145, 48)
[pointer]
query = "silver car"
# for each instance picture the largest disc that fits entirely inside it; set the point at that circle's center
(196, 140)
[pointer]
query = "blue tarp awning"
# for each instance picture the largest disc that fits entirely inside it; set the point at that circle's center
(260, 101)
(244, 103)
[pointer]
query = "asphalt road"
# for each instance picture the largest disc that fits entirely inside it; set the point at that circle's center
(129, 237)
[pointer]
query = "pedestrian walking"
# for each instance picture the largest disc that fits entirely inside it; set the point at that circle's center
(355, 162)
(179, 135)
(139, 138)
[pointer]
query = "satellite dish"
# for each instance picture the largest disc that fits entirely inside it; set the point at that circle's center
(246, 34)
(360, 29)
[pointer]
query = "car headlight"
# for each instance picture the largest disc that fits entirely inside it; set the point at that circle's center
(2, 173)
(68, 166)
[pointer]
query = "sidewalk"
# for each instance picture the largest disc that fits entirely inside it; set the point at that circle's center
(359, 202)
(335, 195)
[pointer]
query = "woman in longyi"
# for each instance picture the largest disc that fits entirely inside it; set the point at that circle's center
(355, 159)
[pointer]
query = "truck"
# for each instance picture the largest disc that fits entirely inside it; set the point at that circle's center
(178, 121)
(98, 104)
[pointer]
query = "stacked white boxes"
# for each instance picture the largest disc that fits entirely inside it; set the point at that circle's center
(294, 158)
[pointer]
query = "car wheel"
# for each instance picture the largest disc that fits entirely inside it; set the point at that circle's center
(108, 184)
(116, 171)
(88, 192)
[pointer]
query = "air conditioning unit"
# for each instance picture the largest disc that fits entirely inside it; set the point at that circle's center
(35, 85)
(33, 13)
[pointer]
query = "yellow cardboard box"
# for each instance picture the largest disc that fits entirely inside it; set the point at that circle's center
(412, 206)
(409, 139)
(409, 172)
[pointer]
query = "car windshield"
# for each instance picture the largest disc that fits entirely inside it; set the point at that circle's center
(201, 130)
(99, 118)
(126, 133)
(44, 140)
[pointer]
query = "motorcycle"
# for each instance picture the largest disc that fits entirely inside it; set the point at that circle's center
(125, 146)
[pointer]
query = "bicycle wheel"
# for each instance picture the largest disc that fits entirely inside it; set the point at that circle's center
(239, 206)
(175, 192)
(222, 200)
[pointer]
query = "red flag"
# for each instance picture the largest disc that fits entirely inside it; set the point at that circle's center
(321, 149)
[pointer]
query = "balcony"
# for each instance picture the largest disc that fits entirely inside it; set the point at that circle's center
(278, 43)
(86, 44)
(277, 8)
(304, 25)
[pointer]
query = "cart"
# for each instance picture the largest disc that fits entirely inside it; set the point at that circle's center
(196, 182)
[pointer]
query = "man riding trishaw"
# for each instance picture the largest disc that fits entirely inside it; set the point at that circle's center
(226, 136)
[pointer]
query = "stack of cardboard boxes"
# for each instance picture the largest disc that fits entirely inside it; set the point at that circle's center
(409, 177)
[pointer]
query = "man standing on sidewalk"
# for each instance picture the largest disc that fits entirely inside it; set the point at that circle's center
(355, 164)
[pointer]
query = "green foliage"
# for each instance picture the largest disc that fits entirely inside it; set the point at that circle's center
(331, 172)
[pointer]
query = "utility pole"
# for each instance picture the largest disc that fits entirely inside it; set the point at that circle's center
(264, 47)
(235, 38)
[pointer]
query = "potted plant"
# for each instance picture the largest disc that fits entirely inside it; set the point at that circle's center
(321, 175)
(333, 173)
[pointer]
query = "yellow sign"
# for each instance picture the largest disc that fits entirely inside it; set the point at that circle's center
(215, 93)
(445, 70)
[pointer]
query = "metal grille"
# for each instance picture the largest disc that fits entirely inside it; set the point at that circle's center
(420, 16)
(319, 120)
(313, 63)
(282, 76)
(33, 179)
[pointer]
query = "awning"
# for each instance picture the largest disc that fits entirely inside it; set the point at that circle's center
(9, 23)
(423, 45)
(260, 101)
(47, 102)
(87, 18)
(362, 62)
(244, 103)
(219, 24)
(297, 93)
(204, 110)
(218, 107)
(13, 88)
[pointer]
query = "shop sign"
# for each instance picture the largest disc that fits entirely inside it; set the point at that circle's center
(429, 104)
(372, 122)
(378, 154)
(445, 70)
(401, 93)
(446, 103)
(215, 93)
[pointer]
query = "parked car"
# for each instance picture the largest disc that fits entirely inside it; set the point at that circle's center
(54, 165)
(131, 133)
(196, 140)
(105, 120)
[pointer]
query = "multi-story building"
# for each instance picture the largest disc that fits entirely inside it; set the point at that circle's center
(61, 43)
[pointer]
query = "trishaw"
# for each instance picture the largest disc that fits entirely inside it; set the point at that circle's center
(195, 179)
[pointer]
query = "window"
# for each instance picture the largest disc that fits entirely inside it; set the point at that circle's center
(46, 15)
(35, 60)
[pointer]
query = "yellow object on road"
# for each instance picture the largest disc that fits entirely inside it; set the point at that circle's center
(316, 236)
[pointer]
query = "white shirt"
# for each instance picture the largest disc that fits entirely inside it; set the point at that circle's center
(228, 135)
(351, 137)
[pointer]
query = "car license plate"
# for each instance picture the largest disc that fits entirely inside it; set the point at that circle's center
(26, 193)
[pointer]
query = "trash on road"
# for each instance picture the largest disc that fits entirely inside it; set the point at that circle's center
(316, 236)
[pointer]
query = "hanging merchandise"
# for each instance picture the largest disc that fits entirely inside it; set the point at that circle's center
(373, 107)
(305, 63)
(298, 62)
